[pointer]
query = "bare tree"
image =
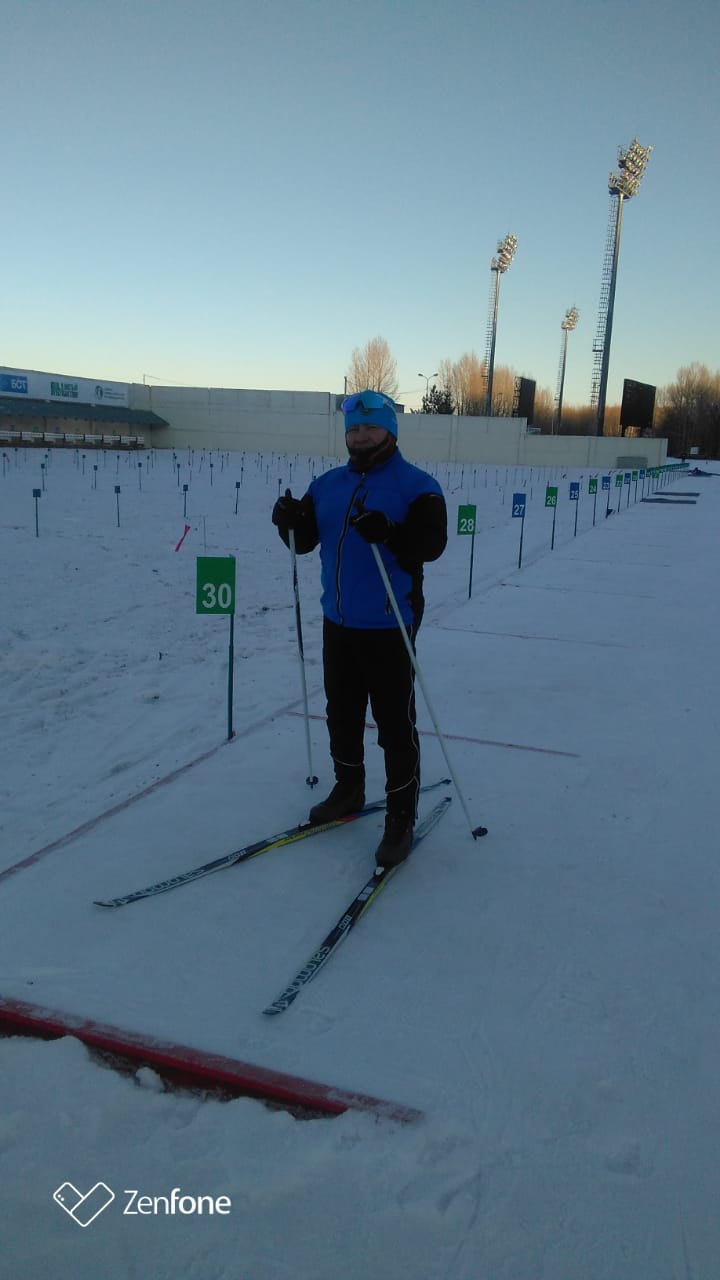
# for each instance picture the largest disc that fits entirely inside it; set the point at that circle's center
(690, 411)
(464, 381)
(581, 420)
(447, 381)
(372, 368)
(544, 409)
(503, 391)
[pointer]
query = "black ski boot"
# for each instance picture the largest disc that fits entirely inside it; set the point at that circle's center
(346, 797)
(397, 840)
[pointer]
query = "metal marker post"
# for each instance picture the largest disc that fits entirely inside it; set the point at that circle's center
(467, 518)
(215, 593)
(643, 473)
(551, 494)
(635, 478)
(606, 489)
(36, 495)
(575, 497)
(117, 503)
(518, 510)
(618, 486)
(628, 478)
(231, 672)
(185, 493)
(592, 490)
(311, 778)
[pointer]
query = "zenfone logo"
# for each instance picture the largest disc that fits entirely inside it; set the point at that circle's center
(83, 1209)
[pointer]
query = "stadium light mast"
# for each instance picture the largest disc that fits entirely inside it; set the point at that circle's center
(505, 253)
(567, 325)
(622, 186)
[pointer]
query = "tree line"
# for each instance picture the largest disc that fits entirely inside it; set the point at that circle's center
(687, 410)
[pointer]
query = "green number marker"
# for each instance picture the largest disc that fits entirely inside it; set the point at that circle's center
(467, 516)
(215, 584)
(466, 519)
(216, 594)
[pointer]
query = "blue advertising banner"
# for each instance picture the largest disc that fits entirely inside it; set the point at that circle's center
(14, 383)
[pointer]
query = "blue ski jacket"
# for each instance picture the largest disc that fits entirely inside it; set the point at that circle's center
(353, 592)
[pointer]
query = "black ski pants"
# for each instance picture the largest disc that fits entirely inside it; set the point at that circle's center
(373, 665)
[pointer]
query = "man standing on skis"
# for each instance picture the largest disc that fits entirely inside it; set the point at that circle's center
(376, 498)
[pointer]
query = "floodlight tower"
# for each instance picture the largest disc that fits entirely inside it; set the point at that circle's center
(567, 325)
(622, 185)
(499, 265)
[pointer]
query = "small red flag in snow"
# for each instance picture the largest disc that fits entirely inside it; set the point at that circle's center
(188, 527)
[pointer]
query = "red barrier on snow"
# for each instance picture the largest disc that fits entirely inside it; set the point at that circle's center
(181, 1064)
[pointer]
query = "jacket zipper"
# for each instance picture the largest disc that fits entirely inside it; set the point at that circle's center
(346, 523)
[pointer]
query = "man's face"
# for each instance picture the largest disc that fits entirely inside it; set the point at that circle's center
(365, 438)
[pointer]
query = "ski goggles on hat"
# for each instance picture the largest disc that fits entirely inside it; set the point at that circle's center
(368, 400)
(371, 407)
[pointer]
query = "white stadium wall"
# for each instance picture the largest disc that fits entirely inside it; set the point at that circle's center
(308, 423)
(254, 421)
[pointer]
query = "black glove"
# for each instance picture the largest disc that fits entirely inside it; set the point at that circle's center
(373, 526)
(288, 513)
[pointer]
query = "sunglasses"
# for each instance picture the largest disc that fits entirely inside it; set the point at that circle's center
(366, 400)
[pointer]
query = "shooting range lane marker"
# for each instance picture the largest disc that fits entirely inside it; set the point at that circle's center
(84, 827)
(588, 591)
(518, 635)
(461, 737)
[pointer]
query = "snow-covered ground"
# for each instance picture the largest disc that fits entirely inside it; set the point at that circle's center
(548, 997)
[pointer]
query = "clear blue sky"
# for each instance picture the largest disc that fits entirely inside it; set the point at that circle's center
(237, 194)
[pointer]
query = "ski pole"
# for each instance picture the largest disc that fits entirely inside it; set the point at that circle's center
(474, 831)
(311, 778)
